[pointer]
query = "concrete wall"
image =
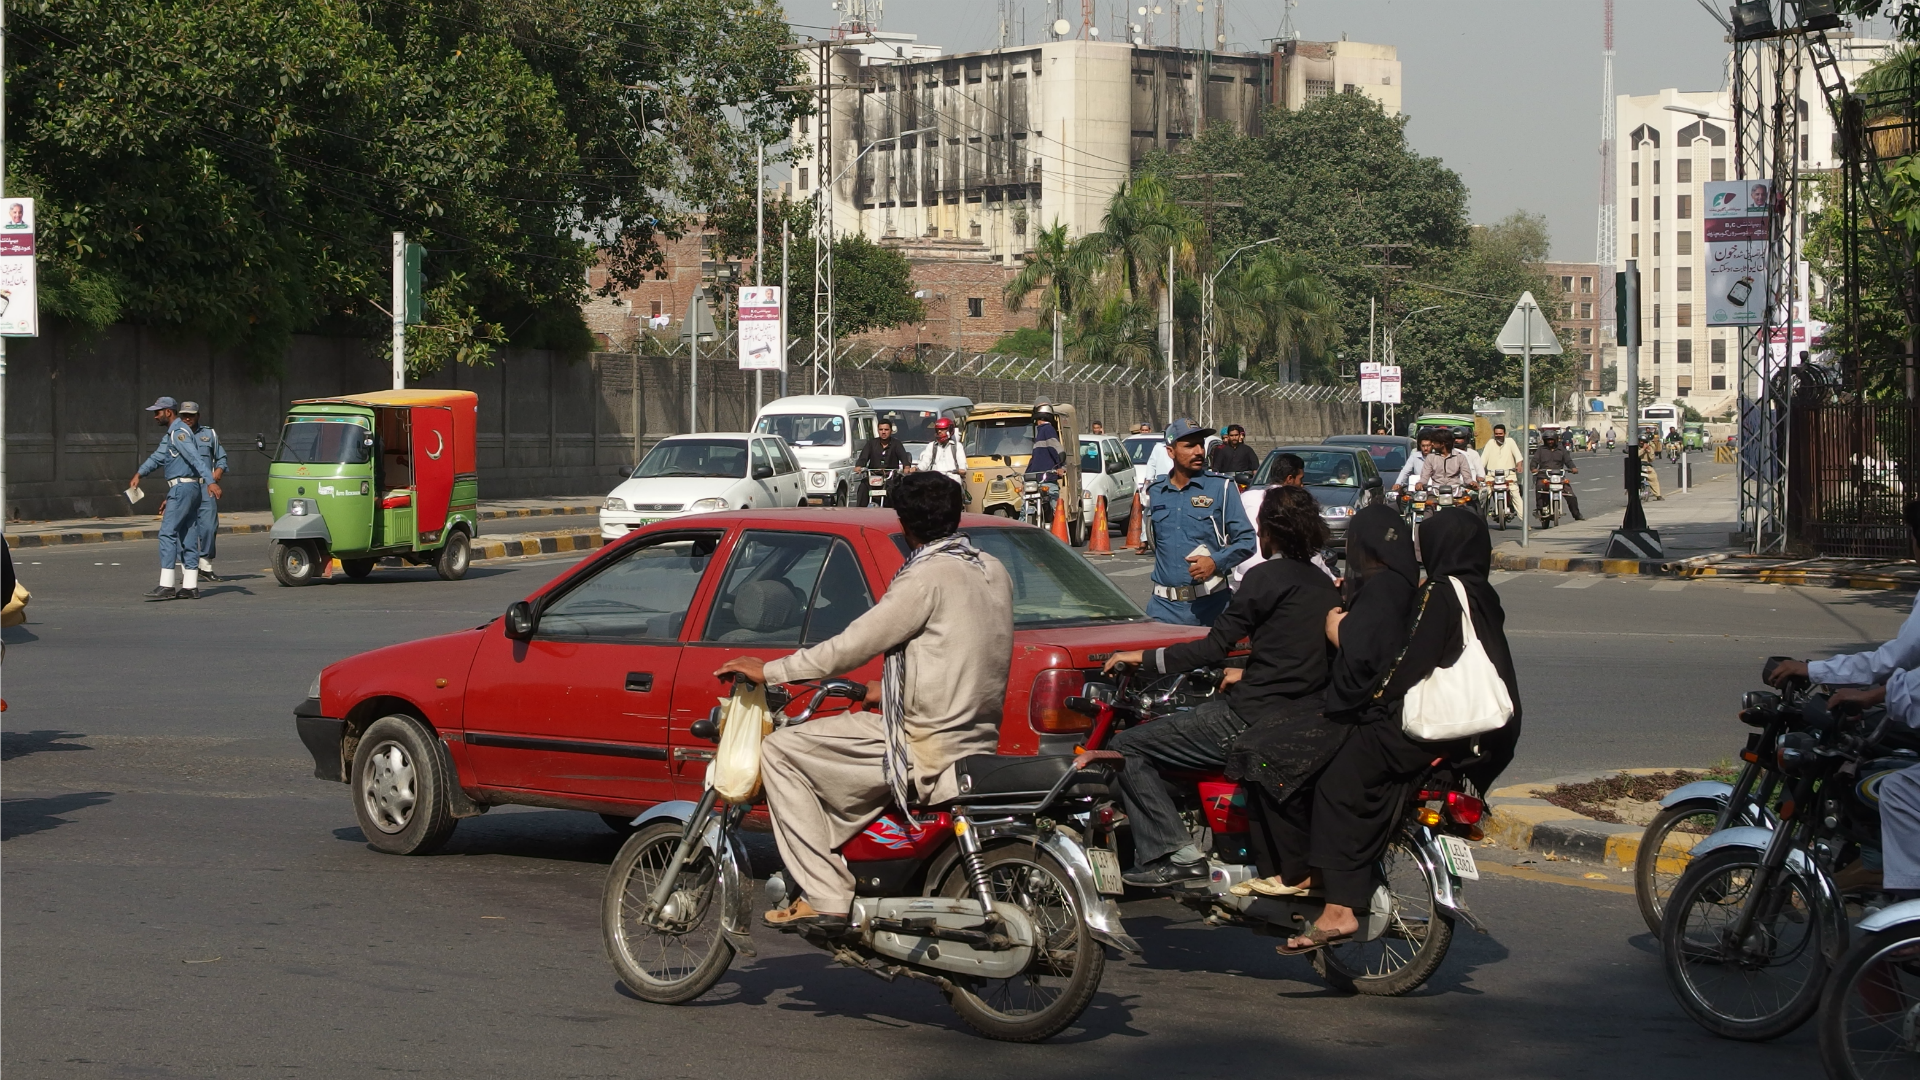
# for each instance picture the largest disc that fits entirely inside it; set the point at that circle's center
(548, 427)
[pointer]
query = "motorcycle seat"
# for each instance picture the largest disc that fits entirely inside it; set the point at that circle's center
(1003, 778)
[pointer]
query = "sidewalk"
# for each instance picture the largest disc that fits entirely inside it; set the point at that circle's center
(35, 534)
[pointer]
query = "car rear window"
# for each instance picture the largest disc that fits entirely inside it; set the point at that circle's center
(1052, 584)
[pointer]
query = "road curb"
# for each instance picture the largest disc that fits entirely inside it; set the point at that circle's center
(1708, 567)
(1517, 819)
(537, 545)
(23, 541)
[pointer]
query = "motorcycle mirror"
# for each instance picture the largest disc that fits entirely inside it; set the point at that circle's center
(521, 620)
(707, 727)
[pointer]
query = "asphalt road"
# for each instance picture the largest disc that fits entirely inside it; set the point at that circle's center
(183, 899)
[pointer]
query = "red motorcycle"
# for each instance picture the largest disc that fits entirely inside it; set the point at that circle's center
(1409, 925)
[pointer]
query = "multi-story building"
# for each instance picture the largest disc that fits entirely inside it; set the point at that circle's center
(1670, 145)
(1577, 311)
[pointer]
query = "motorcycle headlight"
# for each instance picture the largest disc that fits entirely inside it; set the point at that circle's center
(614, 504)
(706, 506)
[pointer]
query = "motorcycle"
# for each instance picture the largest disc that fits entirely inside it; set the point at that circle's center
(1870, 1009)
(1553, 497)
(1418, 506)
(879, 484)
(1409, 923)
(1244, 478)
(1609, 442)
(1753, 926)
(991, 896)
(1450, 495)
(1500, 499)
(1673, 452)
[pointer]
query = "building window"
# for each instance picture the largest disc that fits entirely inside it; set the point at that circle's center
(1319, 88)
(976, 307)
(1586, 284)
(1683, 206)
(655, 309)
(1656, 172)
(1566, 311)
(1683, 386)
(1566, 283)
(1683, 279)
(1717, 352)
(1347, 89)
(1683, 349)
(1717, 169)
(1633, 242)
(1683, 243)
(1586, 335)
(1586, 311)
(1656, 288)
(1803, 148)
(803, 179)
(1633, 208)
(1656, 386)
(1683, 313)
(1633, 170)
(1719, 382)
(1656, 245)
(803, 125)
(1683, 171)
(1656, 208)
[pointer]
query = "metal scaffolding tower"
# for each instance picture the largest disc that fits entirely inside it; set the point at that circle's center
(1606, 238)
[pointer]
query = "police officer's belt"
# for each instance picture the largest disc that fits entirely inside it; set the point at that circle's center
(183, 480)
(1191, 592)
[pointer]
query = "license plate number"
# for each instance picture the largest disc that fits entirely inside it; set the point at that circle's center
(1459, 858)
(1106, 871)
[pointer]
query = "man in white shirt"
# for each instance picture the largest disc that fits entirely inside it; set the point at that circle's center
(1899, 793)
(1410, 472)
(1463, 445)
(945, 454)
(1877, 665)
(1500, 454)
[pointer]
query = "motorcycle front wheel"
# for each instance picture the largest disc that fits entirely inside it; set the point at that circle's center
(1756, 988)
(1403, 958)
(1870, 1018)
(682, 954)
(1067, 962)
(1661, 861)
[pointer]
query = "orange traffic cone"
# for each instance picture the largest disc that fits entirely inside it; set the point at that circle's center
(1060, 522)
(1133, 525)
(1098, 543)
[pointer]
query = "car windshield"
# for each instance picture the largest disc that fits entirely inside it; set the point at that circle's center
(1141, 449)
(911, 425)
(695, 457)
(805, 429)
(1052, 584)
(1009, 437)
(314, 441)
(1325, 468)
(1387, 457)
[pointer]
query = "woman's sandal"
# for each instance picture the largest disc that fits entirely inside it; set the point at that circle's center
(1318, 938)
(1276, 887)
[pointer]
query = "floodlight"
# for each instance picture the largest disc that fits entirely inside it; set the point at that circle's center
(1752, 19)
(1819, 15)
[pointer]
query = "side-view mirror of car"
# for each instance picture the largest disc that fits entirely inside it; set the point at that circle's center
(521, 620)
(1374, 482)
(762, 471)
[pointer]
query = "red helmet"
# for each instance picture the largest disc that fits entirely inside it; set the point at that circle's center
(943, 424)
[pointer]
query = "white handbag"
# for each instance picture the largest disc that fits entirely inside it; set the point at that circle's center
(744, 722)
(1467, 698)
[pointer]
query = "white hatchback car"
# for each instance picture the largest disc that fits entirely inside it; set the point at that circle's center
(1106, 470)
(698, 474)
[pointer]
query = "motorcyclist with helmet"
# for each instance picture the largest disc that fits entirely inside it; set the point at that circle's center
(945, 454)
(1048, 460)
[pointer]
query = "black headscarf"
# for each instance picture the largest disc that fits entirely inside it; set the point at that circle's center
(1455, 545)
(1383, 577)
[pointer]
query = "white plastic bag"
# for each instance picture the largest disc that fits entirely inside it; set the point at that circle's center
(744, 722)
(1468, 698)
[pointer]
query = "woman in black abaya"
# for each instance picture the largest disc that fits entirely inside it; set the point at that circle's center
(1364, 788)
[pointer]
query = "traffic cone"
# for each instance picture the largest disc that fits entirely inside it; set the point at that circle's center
(1060, 522)
(1133, 525)
(1098, 543)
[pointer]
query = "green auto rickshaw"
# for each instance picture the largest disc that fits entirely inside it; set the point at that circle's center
(368, 476)
(1694, 436)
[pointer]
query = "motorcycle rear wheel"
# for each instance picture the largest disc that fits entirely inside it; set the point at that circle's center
(1403, 958)
(1653, 882)
(1067, 964)
(1869, 1015)
(1754, 990)
(684, 960)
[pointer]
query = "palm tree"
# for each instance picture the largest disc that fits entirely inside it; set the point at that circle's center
(1271, 305)
(1062, 271)
(1118, 329)
(1141, 223)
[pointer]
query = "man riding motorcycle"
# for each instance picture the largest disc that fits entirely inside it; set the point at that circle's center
(945, 454)
(1553, 456)
(883, 453)
(1502, 453)
(1048, 459)
(945, 625)
(1232, 454)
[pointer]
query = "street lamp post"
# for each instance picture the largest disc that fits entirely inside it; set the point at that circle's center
(1206, 320)
(830, 186)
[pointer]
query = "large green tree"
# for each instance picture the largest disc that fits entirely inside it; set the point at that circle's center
(234, 167)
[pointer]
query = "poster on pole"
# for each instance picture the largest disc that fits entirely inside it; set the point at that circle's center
(1369, 381)
(761, 347)
(19, 294)
(1390, 384)
(1737, 221)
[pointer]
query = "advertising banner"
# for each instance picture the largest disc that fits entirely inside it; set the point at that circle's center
(1390, 384)
(1737, 219)
(761, 348)
(1369, 381)
(19, 296)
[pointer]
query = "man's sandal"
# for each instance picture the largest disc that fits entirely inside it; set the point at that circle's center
(1318, 939)
(801, 918)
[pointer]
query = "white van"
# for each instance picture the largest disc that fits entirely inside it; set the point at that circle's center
(826, 432)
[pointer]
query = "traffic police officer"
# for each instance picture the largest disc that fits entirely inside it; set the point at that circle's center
(208, 527)
(186, 473)
(1200, 532)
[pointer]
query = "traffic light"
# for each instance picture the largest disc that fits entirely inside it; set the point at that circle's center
(1626, 306)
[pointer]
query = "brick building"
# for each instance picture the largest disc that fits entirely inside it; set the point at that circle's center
(1575, 307)
(659, 304)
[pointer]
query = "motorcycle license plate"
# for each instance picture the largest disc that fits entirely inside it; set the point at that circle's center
(1459, 858)
(1106, 871)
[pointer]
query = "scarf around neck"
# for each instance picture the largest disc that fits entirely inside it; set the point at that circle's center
(896, 765)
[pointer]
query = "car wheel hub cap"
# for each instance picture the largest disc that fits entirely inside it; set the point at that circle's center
(389, 788)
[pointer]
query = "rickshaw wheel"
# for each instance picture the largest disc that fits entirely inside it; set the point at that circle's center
(357, 568)
(294, 563)
(451, 563)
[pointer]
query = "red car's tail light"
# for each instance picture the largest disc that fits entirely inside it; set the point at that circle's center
(1047, 707)
(1465, 809)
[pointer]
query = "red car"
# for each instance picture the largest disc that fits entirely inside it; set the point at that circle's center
(580, 696)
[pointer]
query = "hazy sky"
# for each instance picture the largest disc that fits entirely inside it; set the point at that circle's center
(1506, 92)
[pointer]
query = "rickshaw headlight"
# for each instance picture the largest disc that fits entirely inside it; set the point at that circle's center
(303, 508)
(614, 504)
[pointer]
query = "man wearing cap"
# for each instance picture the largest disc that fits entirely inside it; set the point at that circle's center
(186, 471)
(1200, 532)
(208, 526)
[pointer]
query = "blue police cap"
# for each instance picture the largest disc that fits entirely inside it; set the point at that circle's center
(1183, 428)
(164, 403)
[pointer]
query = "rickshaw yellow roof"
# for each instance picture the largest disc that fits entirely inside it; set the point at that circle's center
(447, 398)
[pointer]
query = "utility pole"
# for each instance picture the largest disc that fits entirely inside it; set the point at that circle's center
(786, 235)
(1166, 328)
(760, 256)
(1370, 317)
(1388, 264)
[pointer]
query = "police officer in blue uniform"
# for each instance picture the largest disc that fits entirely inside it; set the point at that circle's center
(1200, 532)
(187, 473)
(208, 526)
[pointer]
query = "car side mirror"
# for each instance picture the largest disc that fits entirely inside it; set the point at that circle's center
(762, 472)
(522, 620)
(1374, 482)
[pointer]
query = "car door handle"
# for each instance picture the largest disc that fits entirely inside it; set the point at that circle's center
(682, 753)
(640, 682)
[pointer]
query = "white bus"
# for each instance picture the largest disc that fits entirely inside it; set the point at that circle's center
(1661, 418)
